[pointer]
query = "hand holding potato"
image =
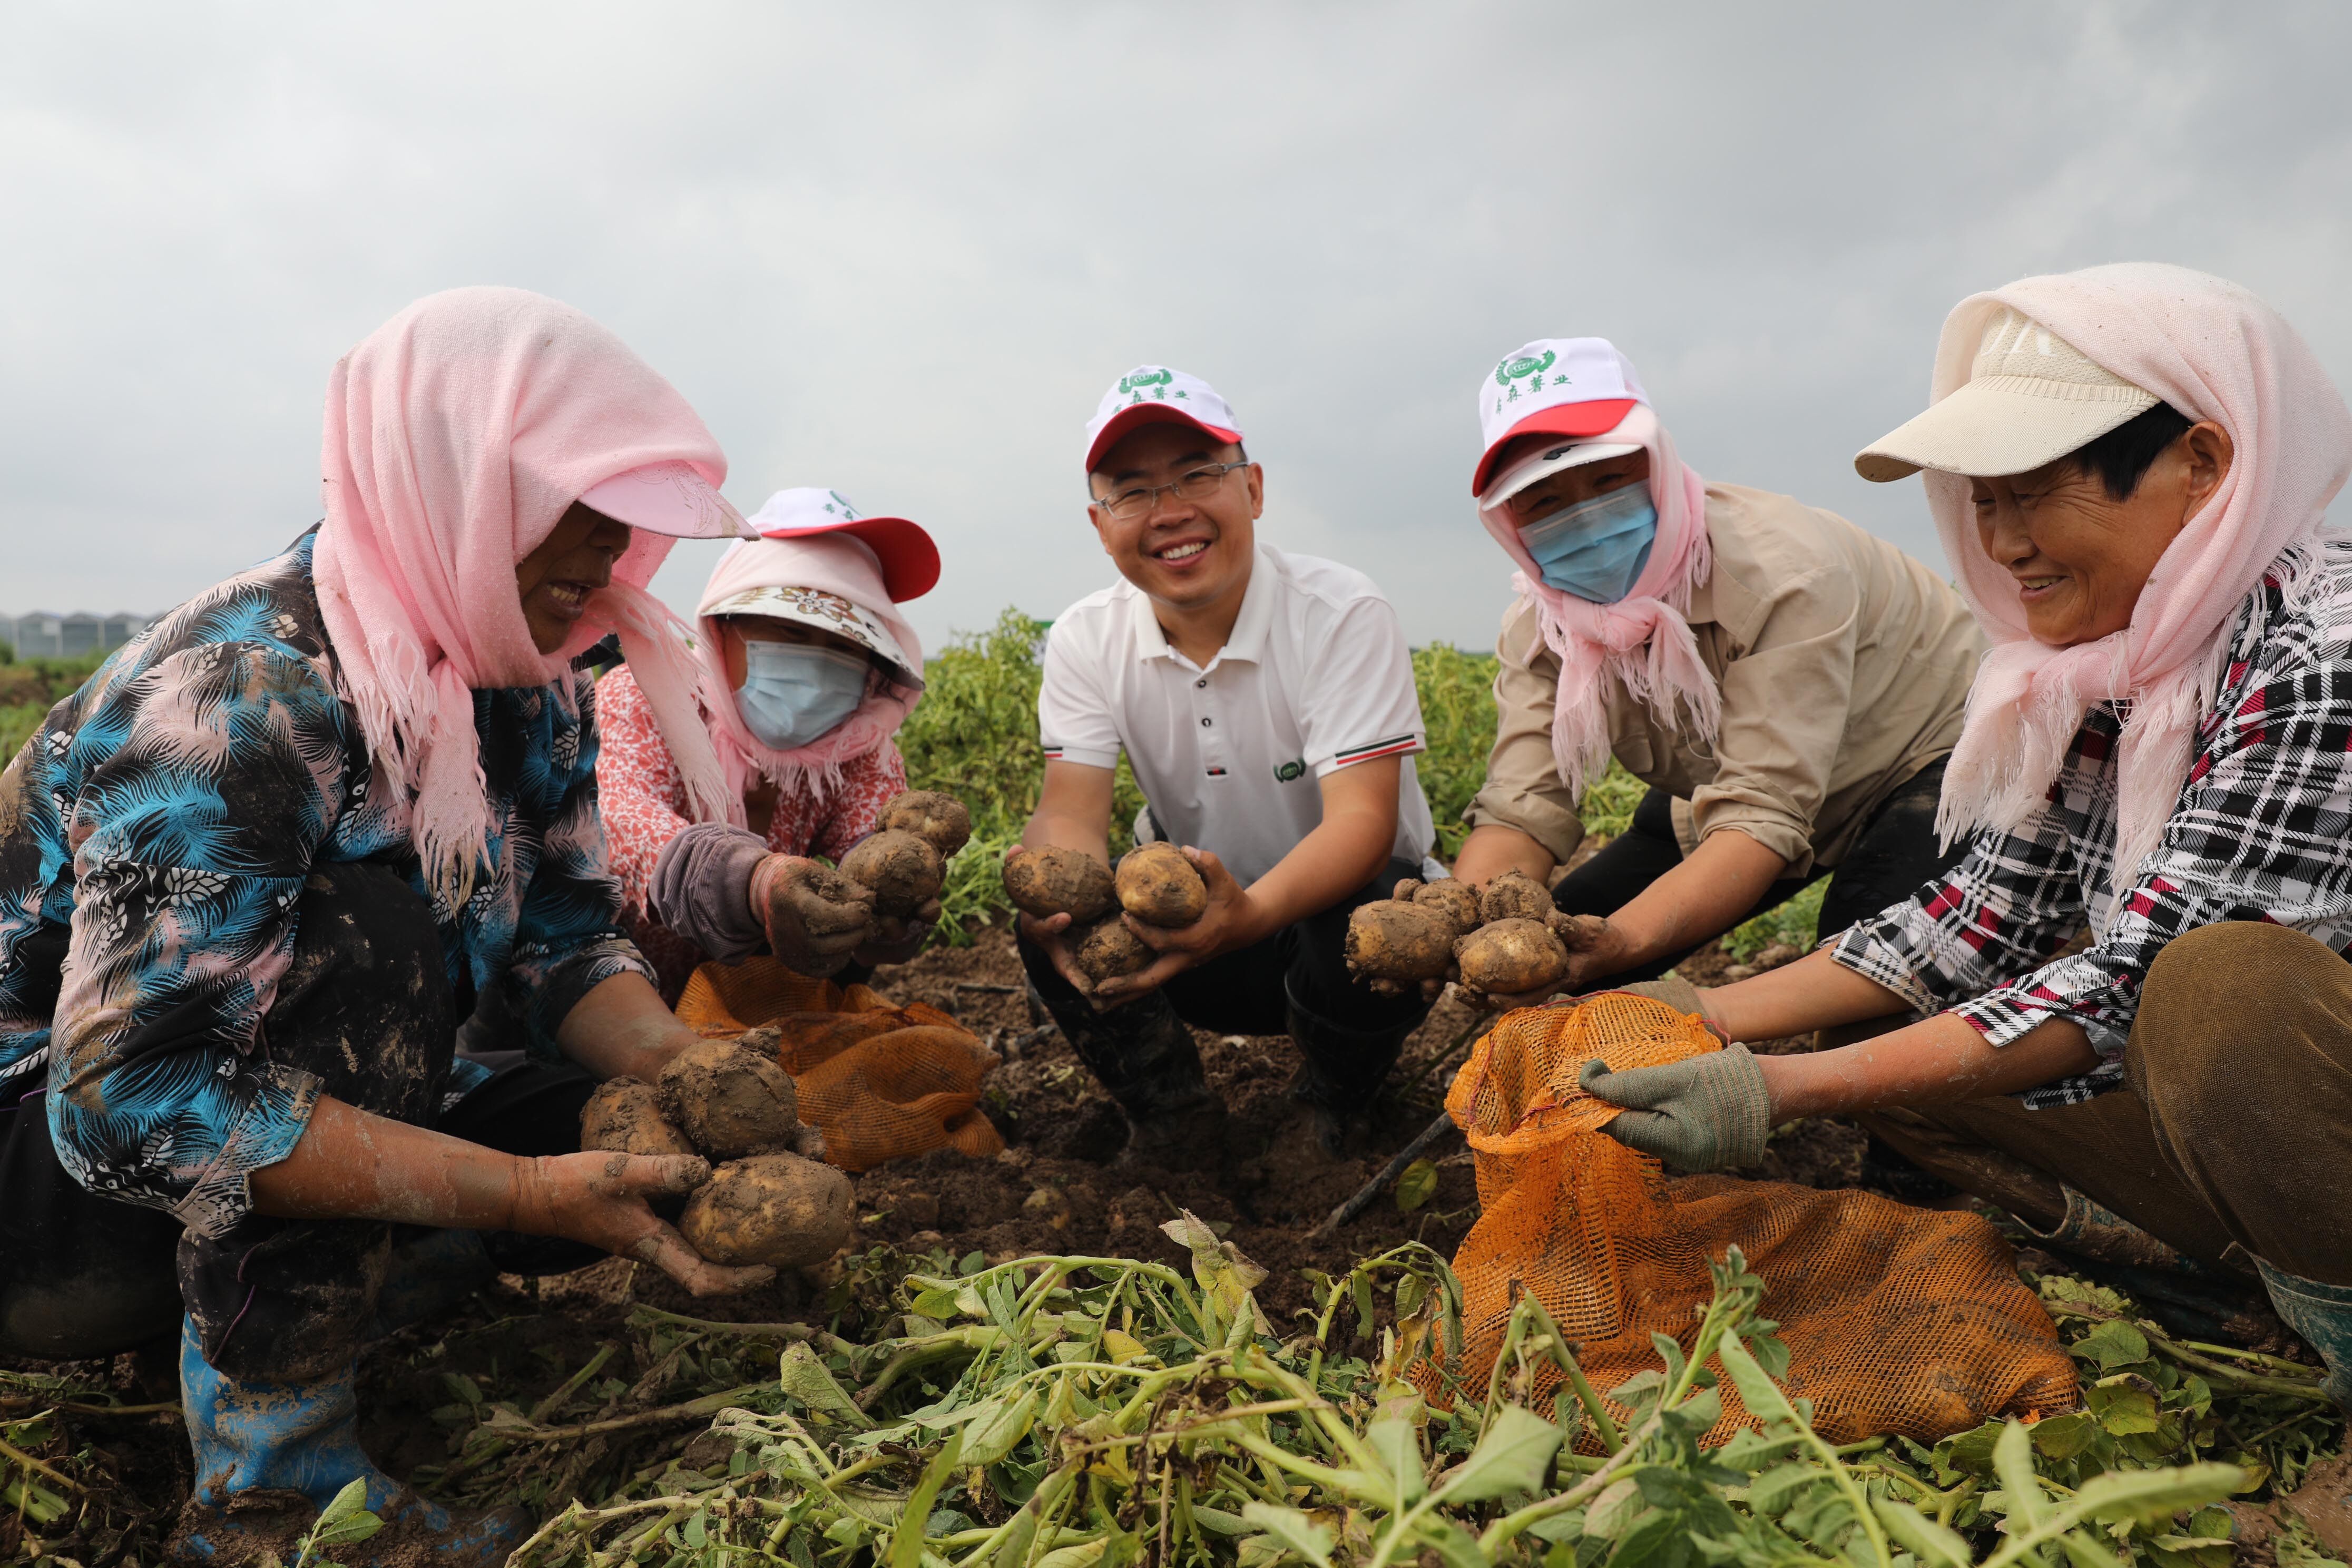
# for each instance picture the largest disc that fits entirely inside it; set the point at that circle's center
(1228, 919)
(816, 918)
(1524, 961)
(894, 940)
(601, 1198)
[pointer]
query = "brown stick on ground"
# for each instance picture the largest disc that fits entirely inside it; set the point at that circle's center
(1427, 1139)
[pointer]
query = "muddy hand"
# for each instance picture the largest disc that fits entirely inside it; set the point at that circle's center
(1051, 934)
(602, 1199)
(1229, 920)
(816, 918)
(895, 941)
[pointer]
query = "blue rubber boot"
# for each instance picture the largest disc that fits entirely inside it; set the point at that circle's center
(265, 1451)
(2321, 1316)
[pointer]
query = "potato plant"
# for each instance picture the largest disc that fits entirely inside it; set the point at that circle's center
(1077, 1412)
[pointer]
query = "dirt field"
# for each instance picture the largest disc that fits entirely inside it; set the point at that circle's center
(1056, 1188)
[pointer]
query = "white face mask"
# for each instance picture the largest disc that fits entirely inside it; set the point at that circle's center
(793, 693)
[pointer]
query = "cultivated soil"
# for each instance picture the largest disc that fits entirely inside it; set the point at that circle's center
(1058, 1187)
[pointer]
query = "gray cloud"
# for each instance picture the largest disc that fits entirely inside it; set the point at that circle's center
(901, 250)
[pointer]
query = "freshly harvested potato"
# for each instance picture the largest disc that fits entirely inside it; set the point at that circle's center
(1394, 945)
(777, 1209)
(1510, 956)
(625, 1115)
(1159, 887)
(1057, 881)
(1515, 896)
(904, 870)
(1111, 950)
(938, 820)
(1457, 899)
(730, 1098)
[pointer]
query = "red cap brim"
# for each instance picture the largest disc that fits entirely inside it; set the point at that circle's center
(1129, 418)
(910, 560)
(1595, 419)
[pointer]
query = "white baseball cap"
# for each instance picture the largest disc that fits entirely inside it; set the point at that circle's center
(2031, 398)
(668, 498)
(1578, 388)
(908, 557)
(1153, 394)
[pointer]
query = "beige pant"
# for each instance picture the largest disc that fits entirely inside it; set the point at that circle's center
(2235, 1128)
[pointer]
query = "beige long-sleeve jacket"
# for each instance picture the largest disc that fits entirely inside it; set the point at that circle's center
(1845, 667)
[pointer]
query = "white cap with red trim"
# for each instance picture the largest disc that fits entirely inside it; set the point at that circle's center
(1576, 387)
(668, 498)
(908, 557)
(1153, 394)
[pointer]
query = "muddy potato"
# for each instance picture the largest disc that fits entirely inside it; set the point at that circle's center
(1458, 901)
(625, 1115)
(777, 1209)
(905, 871)
(1057, 881)
(730, 1098)
(1515, 896)
(938, 820)
(1111, 950)
(1509, 956)
(1158, 886)
(1392, 943)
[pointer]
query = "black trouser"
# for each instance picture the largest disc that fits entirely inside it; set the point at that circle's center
(1893, 858)
(365, 1006)
(1251, 991)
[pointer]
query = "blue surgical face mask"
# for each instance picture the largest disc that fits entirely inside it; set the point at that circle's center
(792, 693)
(1595, 549)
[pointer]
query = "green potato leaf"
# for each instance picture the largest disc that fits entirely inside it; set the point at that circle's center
(1417, 1185)
(1513, 1455)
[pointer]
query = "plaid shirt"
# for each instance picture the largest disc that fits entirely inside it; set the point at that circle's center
(2262, 831)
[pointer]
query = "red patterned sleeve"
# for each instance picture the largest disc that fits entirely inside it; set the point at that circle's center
(868, 785)
(638, 785)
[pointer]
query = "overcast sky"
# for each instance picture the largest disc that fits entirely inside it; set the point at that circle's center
(901, 250)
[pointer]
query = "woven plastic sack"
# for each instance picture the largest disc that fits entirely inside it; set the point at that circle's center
(881, 1082)
(1898, 1320)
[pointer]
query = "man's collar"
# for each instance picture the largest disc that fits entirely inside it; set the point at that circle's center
(1245, 642)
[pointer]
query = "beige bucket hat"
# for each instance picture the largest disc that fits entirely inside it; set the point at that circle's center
(2031, 398)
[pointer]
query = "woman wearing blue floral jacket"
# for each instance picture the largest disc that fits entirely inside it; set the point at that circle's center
(256, 873)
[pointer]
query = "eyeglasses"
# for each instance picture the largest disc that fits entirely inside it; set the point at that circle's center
(1193, 484)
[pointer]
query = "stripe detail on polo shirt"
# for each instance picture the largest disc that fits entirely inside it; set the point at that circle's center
(1387, 748)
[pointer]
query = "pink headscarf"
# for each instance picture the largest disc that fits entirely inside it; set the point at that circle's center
(820, 564)
(1642, 640)
(2215, 352)
(457, 434)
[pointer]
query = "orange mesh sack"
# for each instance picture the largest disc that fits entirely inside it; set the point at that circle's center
(882, 1082)
(1898, 1320)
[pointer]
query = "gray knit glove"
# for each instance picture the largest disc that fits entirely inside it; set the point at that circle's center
(1709, 1112)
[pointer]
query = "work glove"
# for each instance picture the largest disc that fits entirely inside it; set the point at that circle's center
(816, 918)
(1709, 1112)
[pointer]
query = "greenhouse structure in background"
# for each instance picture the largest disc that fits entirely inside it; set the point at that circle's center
(45, 635)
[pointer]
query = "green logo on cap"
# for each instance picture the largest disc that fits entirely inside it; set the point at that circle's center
(1142, 379)
(1511, 370)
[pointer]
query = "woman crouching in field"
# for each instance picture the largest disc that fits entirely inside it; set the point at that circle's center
(1787, 685)
(2130, 467)
(254, 873)
(808, 670)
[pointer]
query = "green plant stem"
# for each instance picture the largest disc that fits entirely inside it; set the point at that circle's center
(10, 1451)
(709, 1404)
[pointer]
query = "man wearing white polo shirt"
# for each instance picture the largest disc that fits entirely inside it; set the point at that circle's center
(1266, 701)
